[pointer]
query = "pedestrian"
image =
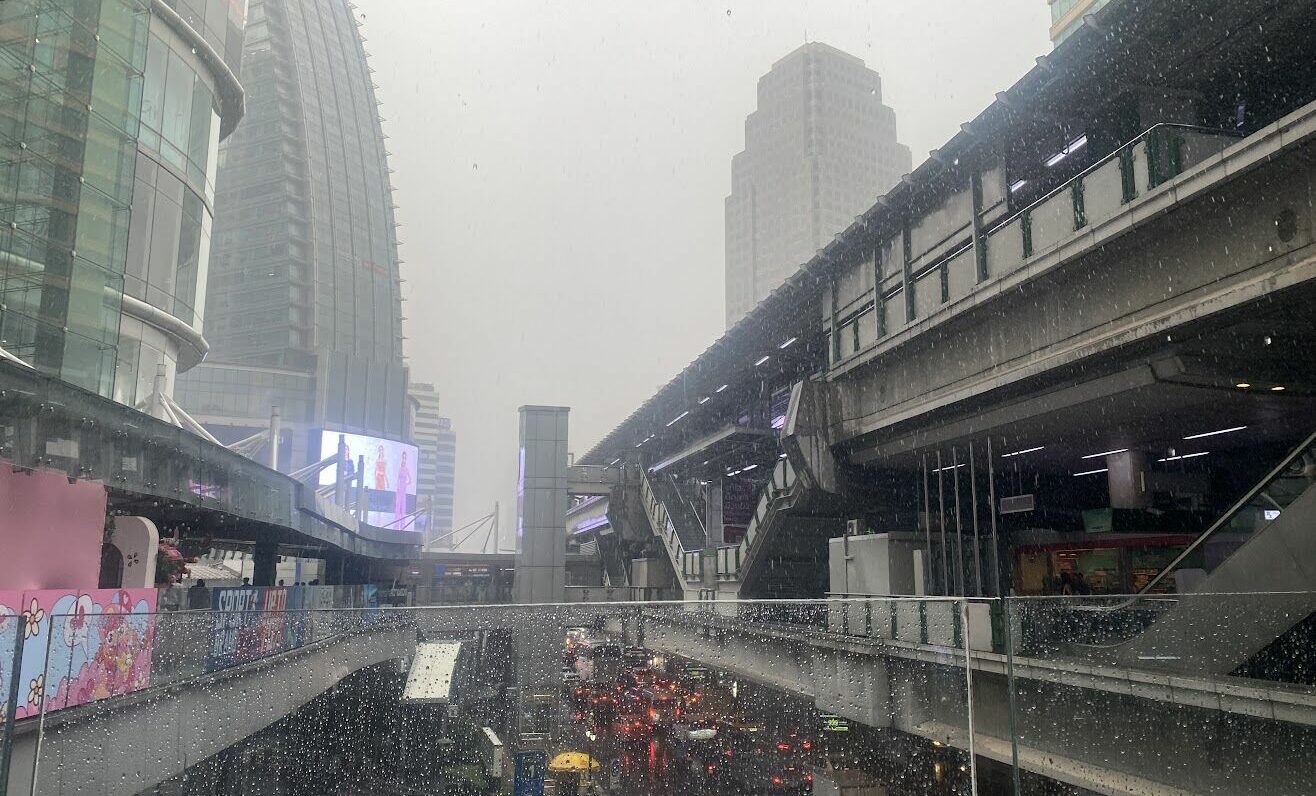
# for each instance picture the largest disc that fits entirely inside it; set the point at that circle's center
(198, 596)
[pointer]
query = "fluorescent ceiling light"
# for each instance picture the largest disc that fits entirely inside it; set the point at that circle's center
(1213, 433)
(705, 399)
(748, 467)
(1022, 452)
(1104, 453)
(950, 467)
(787, 344)
(677, 419)
(762, 359)
(720, 389)
(1184, 456)
(1094, 472)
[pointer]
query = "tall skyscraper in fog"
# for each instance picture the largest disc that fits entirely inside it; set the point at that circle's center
(436, 467)
(304, 302)
(819, 149)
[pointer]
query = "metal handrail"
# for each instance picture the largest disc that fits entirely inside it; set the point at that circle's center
(659, 520)
(1113, 154)
(768, 500)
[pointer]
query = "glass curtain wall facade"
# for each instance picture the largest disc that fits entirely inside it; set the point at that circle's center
(304, 269)
(72, 83)
(108, 144)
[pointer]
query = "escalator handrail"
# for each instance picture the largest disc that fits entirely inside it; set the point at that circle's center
(1223, 520)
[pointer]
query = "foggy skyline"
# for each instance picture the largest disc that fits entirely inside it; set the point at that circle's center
(561, 170)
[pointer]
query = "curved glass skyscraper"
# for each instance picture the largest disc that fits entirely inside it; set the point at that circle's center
(112, 113)
(304, 302)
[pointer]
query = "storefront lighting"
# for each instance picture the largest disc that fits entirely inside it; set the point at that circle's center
(1213, 433)
(1104, 453)
(1093, 472)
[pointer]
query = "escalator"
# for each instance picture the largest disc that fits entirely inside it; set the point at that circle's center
(1248, 594)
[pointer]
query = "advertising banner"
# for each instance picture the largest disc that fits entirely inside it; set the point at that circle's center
(235, 625)
(389, 474)
(99, 642)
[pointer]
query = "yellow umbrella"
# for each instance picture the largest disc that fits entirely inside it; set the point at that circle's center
(573, 763)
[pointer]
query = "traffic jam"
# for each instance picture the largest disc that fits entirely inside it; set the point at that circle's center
(677, 725)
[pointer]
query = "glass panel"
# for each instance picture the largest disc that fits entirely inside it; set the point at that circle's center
(177, 105)
(153, 93)
(317, 688)
(1202, 693)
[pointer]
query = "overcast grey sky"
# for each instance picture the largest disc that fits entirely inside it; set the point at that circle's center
(560, 170)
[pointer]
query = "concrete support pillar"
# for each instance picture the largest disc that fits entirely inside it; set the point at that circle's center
(713, 521)
(138, 540)
(1127, 477)
(541, 505)
(333, 569)
(264, 564)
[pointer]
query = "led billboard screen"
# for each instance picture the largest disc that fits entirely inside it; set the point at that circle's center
(390, 475)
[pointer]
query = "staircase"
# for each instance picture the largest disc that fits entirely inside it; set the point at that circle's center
(767, 562)
(687, 562)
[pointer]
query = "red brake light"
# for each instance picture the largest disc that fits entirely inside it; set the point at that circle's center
(808, 776)
(783, 747)
(776, 780)
(806, 745)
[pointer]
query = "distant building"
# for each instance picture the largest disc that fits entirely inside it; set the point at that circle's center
(1067, 15)
(304, 308)
(113, 112)
(433, 435)
(819, 149)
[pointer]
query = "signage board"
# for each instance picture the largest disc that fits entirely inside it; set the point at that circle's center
(529, 769)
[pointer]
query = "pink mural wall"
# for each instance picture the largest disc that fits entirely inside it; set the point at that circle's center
(78, 645)
(50, 530)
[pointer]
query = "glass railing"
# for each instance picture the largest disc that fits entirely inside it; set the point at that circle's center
(62, 428)
(861, 695)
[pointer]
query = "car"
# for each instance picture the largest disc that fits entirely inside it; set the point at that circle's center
(636, 657)
(631, 727)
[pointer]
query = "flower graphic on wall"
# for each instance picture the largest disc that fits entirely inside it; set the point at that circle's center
(6, 613)
(78, 622)
(131, 560)
(32, 619)
(36, 690)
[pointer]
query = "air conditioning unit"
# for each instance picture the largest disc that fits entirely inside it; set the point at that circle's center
(854, 527)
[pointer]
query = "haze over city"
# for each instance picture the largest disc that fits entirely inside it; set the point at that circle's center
(561, 171)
